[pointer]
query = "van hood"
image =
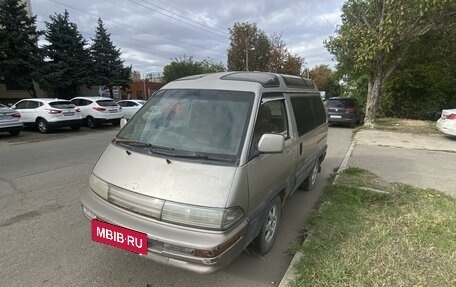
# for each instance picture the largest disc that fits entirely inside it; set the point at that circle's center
(179, 181)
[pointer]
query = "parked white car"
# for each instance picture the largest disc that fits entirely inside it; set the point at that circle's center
(96, 110)
(10, 121)
(130, 107)
(46, 113)
(447, 122)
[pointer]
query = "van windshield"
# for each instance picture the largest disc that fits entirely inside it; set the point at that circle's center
(204, 124)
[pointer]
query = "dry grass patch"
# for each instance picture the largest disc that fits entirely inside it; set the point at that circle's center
(406, 126)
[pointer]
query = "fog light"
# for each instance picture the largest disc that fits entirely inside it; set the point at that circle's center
(178, 249)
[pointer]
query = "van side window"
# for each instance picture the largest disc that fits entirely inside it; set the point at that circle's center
(319, 110)
(302, 109)
(271, 119)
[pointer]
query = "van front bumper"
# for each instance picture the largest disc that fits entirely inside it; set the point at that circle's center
(172, 244)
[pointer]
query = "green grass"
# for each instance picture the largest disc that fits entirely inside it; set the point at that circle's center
(359, 238)
(406, 126)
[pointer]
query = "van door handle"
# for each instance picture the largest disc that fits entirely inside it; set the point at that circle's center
(289, 149)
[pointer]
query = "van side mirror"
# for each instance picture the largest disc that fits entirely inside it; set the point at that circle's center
(271, 143)
(123, 122)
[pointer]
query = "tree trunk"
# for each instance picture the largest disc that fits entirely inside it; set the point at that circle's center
(32, 91)
(374, 86)
(111, 93)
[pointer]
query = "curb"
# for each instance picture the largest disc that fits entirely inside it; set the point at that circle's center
(290, 273)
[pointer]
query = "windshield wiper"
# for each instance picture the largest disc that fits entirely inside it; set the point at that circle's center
(199, 156)
(169, 151)
(151, 147)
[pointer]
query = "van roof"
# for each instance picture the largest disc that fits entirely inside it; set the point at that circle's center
(248, 79)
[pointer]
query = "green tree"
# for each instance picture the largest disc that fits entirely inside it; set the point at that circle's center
(326, 80)
(208, 66)
(249, 48)
(376, 35)
(69, 63)
(20, 56)
(182, 67)
(281, 60)
(425, 82)
(108, 68)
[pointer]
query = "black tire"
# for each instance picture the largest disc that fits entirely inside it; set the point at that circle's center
(43, 126)
(116, 123)
(91, 122)
(265, 239)
(353, 123)
(75, 128)
(15, 132)
(311, 180)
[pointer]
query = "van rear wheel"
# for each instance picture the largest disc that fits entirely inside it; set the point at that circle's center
(265, 240)
(311, 180)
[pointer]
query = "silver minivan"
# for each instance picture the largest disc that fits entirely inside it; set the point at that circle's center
(204, 168)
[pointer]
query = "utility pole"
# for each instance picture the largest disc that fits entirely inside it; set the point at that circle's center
(247, 53)
(144, 82)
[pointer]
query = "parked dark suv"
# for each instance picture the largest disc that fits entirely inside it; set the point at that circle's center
(342, 111)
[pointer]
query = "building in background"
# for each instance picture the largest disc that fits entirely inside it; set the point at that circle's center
(135, 75)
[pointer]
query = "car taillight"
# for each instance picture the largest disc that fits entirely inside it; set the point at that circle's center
(350, 110)
(99, 109)
(120, 108)
(78, 110)
(16, 115)
(53, 112)
(451, 117)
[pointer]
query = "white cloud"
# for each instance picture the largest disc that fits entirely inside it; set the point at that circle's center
(149, 39)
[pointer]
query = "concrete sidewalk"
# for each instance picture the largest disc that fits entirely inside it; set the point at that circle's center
(434, 142)
(427, 161)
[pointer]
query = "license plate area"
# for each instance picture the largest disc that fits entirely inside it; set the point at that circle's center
(119, 237)
(335, 117)
(68, 114)
(113, 111)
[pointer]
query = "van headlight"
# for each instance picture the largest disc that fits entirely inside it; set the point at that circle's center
(99, 186)
(202, 217)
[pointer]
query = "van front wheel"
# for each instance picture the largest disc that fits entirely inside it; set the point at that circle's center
(265, 240)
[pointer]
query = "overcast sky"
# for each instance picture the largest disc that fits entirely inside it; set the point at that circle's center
(152, 32)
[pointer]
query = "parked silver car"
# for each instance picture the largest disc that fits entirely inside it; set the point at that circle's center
(205, 167)
(10, 121)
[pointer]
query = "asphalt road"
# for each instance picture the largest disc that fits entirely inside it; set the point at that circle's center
(45, 239)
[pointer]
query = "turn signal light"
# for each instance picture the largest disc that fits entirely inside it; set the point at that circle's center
(219, 249)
